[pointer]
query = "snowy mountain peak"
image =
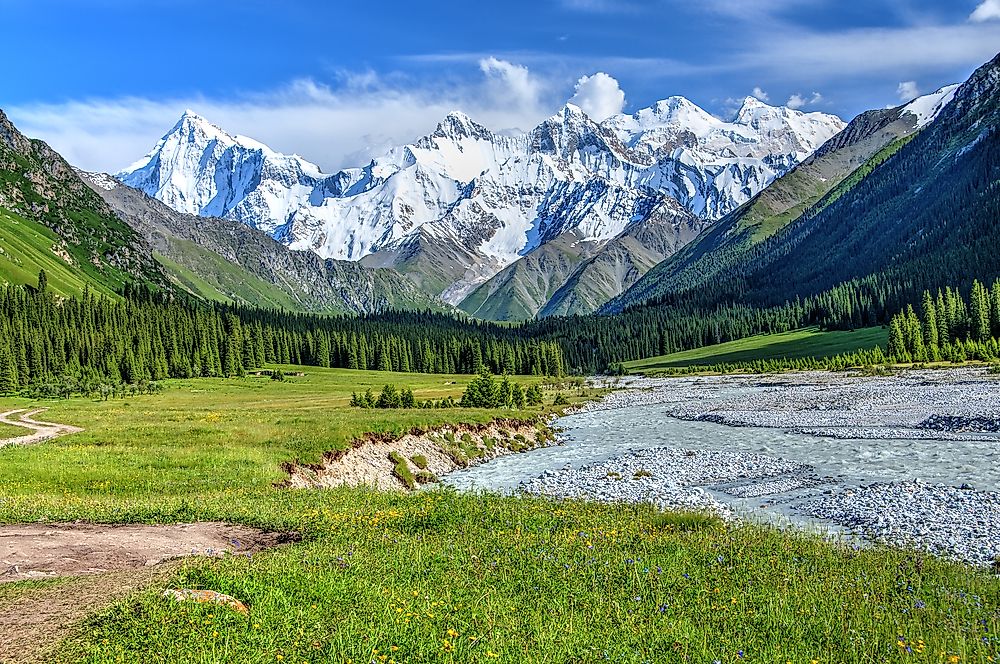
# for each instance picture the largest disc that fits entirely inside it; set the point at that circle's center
(458, 125)
(750, 104)
(199, 168)
(569, 114)
(927, 107)
(464, 191)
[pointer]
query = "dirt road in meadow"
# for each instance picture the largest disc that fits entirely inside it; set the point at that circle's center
(40, 430)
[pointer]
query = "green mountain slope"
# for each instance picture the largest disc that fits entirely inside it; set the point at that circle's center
(222, 260)
(38, 188)
(571, 275)
(27, 247)
(625, 259)
(518, 291)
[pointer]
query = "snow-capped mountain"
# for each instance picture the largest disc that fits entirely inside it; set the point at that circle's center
(486, 199)
(927, 107)
(197, 168)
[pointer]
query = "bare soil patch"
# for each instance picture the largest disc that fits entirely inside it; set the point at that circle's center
(108, 562)
(40, 551)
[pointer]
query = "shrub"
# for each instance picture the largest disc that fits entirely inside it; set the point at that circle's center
(560, 400)
(402, 471)
(426, 477)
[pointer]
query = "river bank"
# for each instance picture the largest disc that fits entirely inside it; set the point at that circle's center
(911, 459)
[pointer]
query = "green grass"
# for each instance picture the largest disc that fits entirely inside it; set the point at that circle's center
(11, 431)
(809, 342)
(204, 440)
(436, 576)
(28, 247)
(219, 280)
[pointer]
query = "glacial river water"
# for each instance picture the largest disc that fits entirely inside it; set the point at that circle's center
(601, 435)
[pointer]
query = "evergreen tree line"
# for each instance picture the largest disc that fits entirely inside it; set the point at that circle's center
(484, 391)
(147, 336)
(949, 328)
(675, 323)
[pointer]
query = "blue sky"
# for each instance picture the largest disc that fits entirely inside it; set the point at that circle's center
(337, 81)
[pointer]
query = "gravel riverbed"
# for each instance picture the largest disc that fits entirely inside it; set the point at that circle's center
(910, 460)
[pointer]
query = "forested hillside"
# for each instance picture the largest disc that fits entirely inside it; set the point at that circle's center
(148, 336)
(928, 214)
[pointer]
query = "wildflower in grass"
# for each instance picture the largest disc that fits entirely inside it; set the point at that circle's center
(451, 633)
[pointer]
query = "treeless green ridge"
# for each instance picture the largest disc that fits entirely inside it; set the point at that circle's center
(809, 342)
(28, 247)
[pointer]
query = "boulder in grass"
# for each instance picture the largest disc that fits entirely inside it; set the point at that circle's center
(206, 597)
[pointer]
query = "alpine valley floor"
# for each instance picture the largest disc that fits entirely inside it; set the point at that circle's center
(439, 575)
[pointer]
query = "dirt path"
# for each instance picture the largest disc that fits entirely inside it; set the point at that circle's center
(40, 430)
(110, 563)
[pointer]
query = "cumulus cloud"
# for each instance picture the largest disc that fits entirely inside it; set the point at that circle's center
(907, 90)
(988, 10)
(510, 84)
(334, 126)
(797, 101)
(760, 94)
(600, 96)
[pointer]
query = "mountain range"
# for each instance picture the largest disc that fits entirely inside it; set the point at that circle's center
(668, 210)
(505, 227)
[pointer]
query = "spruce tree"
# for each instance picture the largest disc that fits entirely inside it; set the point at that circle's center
(979, 309)
(930, 330)
(8, 371)
(897, 342)
(995, 309)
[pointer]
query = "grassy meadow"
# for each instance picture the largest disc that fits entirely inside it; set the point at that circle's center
(804, 343)
(436, 576)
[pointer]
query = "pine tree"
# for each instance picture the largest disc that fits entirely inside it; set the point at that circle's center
(995, 301)
(930, 326)
(8, 371)
(979, 305)
(944, 332)
(518, 398)
(897, 342)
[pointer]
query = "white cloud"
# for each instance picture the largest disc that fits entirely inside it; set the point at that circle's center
(599, 96)
(797, 101)
(334, 127)
(511, 85)
(907, 90)
(760, 94)
(988, 10)
(845, 55)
